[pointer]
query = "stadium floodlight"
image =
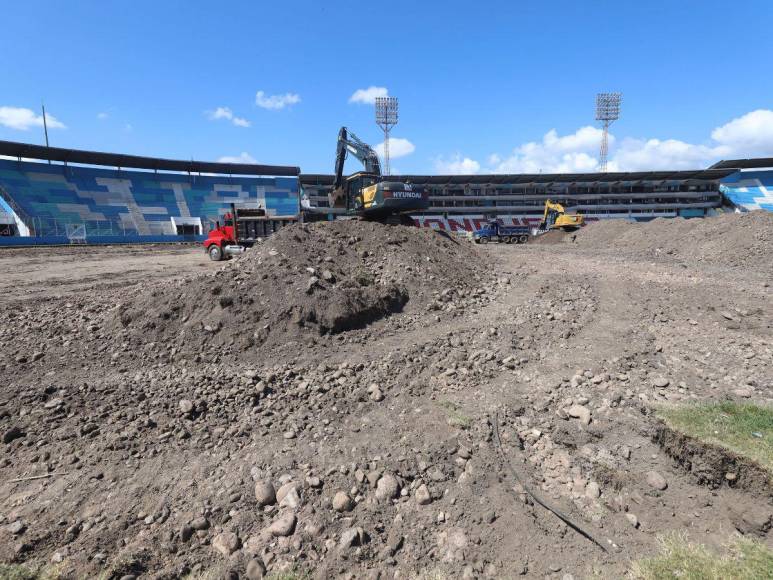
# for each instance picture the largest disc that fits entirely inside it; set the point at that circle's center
(607, 111)
(386, 118)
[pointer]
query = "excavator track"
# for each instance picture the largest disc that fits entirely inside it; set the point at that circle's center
(398, 220)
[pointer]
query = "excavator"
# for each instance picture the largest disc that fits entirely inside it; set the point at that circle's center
(555, 218)
(365, 194)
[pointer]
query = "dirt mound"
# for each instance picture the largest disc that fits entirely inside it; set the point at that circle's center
(731, 239)
(312, 279)
(553, 237)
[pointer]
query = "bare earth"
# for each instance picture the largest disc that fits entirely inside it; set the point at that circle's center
(240, 440)
(48, 272)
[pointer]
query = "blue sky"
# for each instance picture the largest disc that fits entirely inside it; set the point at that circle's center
(487, 86)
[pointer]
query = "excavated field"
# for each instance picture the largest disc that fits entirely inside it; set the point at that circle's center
(356, 401)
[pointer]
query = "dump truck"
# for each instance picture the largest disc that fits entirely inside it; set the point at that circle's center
(493, 231)
(242, 227)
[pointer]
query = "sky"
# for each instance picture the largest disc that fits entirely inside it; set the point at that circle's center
(486, 87)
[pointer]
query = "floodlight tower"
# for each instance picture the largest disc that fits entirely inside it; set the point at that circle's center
(386, 118)
(607, 111)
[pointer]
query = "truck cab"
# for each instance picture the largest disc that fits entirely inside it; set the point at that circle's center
(487, 233)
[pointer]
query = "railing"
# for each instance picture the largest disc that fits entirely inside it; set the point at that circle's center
(43, 227)
(20, 213)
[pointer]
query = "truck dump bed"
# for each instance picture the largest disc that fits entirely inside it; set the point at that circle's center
(252, 224)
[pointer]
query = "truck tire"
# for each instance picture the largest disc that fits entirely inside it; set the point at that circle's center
(215, 253)
(483, 240)
(505, 240)
(523, 239)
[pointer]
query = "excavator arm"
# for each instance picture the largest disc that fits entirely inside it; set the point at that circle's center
(349, 143)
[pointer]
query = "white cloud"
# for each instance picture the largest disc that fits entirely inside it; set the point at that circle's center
(102, 116)
(227, 114)
(23, 119)
(276, 101)
(243, 157)
(398, 147)
(751, 133)
(368, 96)
(654, 154)
(747, 136)
(554, 154)
(457, 165)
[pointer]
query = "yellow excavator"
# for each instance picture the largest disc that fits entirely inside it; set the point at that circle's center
(556, 218)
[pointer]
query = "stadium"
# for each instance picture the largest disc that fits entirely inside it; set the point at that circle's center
(54, 196)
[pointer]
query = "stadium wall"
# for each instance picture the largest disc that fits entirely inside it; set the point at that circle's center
(26, 241)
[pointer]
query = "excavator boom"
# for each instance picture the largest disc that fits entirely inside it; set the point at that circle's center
(348, 142)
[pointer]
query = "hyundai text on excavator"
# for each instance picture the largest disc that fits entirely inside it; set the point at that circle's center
(365, 194)
(555, 218)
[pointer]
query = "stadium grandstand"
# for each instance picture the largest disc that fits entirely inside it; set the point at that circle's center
(751, 186)
(464, 202)
(53, 195)
(61, 195)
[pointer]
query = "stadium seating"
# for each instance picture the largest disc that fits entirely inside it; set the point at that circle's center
(138, 202)
(749, 189)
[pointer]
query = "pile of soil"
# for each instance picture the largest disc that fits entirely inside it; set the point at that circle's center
(553, 237)
(730, 240)
(228, 425)
(312, 280)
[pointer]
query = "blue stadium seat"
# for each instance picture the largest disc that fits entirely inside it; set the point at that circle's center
(138, 202)
(749, 189)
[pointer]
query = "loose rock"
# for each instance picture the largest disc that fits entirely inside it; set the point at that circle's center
(284, 525)
(656, 480)
(226, 543)
(342, 502)
(265, 493)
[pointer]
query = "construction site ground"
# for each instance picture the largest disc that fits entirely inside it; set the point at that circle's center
(398, 437)
(45, 272)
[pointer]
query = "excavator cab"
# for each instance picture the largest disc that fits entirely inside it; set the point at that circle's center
(555, 217)
(359, 188)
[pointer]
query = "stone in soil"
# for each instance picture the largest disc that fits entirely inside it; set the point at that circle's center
(387, 487)
(581, 413)
(656, 480)
(283, 525)
(422, 495)
(255, 569)
(226, 543)
(265, 493)
(342, 502)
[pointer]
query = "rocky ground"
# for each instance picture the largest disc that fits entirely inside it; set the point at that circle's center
(352, 401)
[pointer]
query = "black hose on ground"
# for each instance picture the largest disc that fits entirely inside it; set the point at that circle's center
(563, 517)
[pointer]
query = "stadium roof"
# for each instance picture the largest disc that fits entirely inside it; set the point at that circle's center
(27, 150)
(632, 177)
(744, 163)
